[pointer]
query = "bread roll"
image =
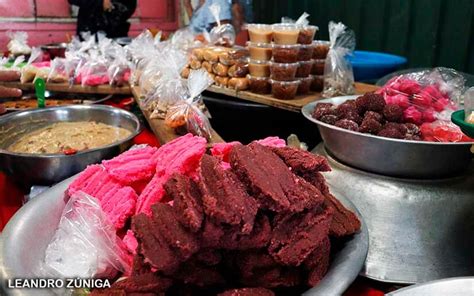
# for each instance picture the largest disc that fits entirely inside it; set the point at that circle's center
(195, 64)
(220, 69)
(238, 83)
(222, 81)
(238, 70)
(207, 66)
(199, 53)
(185, 72)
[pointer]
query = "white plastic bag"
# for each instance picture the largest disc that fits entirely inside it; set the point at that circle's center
(338, 74)
(85, 244)
(222, 34)
(188, 112)
(18, 44)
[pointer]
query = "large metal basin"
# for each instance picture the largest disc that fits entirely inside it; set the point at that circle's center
(391, 157)
(37, 169)
(420, 230)
(27, 234)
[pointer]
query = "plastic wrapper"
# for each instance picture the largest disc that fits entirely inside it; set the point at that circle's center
(187, 112)
(338, 74)
(119, 71)
(443, 131)
(18, 44)
(94, 72)
(28, 72)
(469, 106)
(84, 245)
(59, 71)
(425, 96)
(222, 34)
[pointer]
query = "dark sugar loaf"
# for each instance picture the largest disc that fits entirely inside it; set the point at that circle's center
(271, 182)
(187, 201)
(224, 197)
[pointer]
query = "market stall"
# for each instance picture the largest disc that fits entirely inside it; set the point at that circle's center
(385, 195)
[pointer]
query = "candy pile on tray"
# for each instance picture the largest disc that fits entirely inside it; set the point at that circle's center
(416, 106)
(242, 220)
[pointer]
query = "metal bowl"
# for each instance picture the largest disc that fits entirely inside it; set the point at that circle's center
(391, 157)
(48, 169)
(35, 224)
(55, 49)
(461, 286)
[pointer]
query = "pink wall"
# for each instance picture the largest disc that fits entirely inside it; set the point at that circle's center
(49, 21)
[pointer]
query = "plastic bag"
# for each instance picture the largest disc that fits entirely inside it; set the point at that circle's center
(94, 72)
(443, 131)
(469, 106)
(119, 70)
(222, 34)
(84, 245)
(29, 71)
(58, 72)
(425, 96)
(18, 44)
(188, 112)
(338, 74)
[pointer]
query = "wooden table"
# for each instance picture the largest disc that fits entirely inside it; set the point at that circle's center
(76, 88)
(160, 129)
(291, 105)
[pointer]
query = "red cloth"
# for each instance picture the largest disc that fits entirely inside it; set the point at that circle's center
(11, 199)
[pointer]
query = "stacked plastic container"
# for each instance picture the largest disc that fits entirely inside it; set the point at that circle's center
(282, 67)
(320, 52)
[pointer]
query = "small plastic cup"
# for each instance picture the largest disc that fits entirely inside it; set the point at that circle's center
(259, 68)
(320, 49)
(285, 53)
(318, 67)
(284, 90)
(307, 34)
(305, 52)
(259, 85)
(260, 33)
(283, 71)
(304, 69)
(317, 83)
(305, 85)
(260, 51)
(285, 33)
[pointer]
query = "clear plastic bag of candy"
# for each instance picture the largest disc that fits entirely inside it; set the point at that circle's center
(18, 44)
(425, 96)
(222, 34)
(190, 112)
(33, 65)
(85, 245)
(59, 71)
(94, 71)
(338, 73)
(119, 71)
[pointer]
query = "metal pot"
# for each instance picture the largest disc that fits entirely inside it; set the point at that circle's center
(48, 169)
(55, 49)
(420, 230)
(391, 157)
(36, 223)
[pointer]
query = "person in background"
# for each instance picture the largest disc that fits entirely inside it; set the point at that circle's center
(109, 16)
(201, 17)
(242, 13)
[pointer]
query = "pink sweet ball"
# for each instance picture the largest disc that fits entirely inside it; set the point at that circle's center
(398, 99)
(409, 86)
(413, 115)
(428, 115)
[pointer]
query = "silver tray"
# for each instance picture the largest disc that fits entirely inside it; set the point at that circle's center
(47, 169)
(391, 157)
(420, 230)
(463, 286)
(27, 234)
